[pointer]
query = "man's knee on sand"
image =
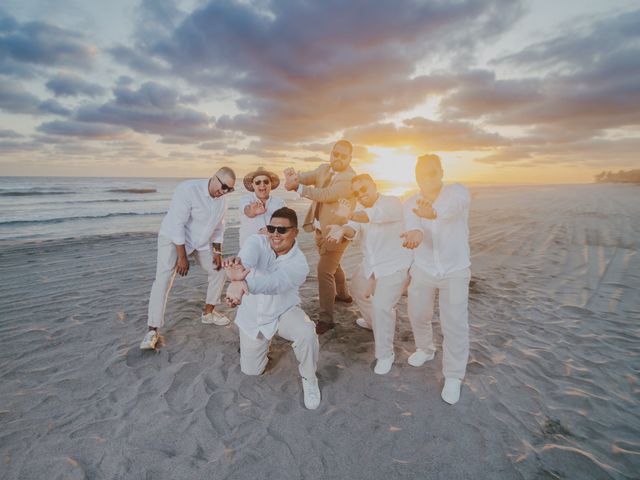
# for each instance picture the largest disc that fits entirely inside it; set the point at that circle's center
(252, 369)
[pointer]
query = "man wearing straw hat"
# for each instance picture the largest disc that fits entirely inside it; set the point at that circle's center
(257, 206)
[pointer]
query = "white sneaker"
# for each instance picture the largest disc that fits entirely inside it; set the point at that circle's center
(383, 365)
(361, 322)
(311, 392)
(417, 358)
(215, 318)
(451, 390)
(150, 340)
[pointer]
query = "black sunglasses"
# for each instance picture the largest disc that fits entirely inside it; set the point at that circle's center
(342, 156)
(266, 181)
(225, 188)
(280, 230)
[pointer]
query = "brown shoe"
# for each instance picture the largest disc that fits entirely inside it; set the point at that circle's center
(348, 299)
(323, 326)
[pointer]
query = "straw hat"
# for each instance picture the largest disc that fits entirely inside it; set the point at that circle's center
(248, 178)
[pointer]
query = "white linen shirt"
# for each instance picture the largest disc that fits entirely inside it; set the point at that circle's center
(445, 247)
(249, 226)
(195, 219)
(382, 250)
(273, 285)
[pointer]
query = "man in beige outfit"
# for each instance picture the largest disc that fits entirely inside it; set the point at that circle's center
(325, 186)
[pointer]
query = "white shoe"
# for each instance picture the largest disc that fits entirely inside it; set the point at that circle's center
(451, 390)
(150, 340)
(417, 358)
(361, 322)
(383, 365)
(311, 392)
(215, 318)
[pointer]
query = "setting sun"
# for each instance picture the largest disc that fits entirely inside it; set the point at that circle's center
(393, 169)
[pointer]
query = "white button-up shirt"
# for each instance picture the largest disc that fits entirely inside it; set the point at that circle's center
(382, 250)
(249, 226)
(195, 219)
(445, 247)
(273, 285)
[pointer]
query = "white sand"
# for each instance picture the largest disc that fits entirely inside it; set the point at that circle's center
(551, 391)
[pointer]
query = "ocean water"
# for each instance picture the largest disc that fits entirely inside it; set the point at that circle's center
(48, 208)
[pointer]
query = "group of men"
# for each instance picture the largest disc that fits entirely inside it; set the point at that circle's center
(421, 247)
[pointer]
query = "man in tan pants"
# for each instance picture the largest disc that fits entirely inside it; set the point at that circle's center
(326, 186)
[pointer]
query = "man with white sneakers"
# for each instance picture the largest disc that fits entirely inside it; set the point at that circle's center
(265, 278)
(437, 230)
(378, 282)
(193, 226)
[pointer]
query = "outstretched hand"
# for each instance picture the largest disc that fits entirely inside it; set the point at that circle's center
(424, 209)
(412, 239)
(234, 269)
(256, 208)
(290, 179)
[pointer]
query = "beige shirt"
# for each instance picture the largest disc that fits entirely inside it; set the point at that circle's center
(325, 190)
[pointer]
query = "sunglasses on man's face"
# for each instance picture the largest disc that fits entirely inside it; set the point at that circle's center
(266, 181)
(279, 229)
(360, 191)
(225, 188)
(340, 156)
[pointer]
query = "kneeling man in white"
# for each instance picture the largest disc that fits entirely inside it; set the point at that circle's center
(265, 279)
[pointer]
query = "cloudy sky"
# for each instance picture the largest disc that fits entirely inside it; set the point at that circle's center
(503, 90)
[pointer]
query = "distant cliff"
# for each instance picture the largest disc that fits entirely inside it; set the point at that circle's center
(621, 176)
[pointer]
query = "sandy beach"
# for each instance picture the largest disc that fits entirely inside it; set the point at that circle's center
(551, 390)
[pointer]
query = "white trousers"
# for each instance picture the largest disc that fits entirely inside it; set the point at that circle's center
(293, 325)
(454, 316)
(376, 299)
(166, 273)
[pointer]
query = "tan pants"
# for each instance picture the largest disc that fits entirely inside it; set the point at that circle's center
(453, 301)
(378, 309)
(331, 278)
(166, 273)
(294, 325)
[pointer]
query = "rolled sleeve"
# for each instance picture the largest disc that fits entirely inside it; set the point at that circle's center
(218, 232)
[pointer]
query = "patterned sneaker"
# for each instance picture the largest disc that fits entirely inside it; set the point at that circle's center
(215, 318)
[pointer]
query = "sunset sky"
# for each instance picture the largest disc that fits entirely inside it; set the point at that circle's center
(504, 91)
